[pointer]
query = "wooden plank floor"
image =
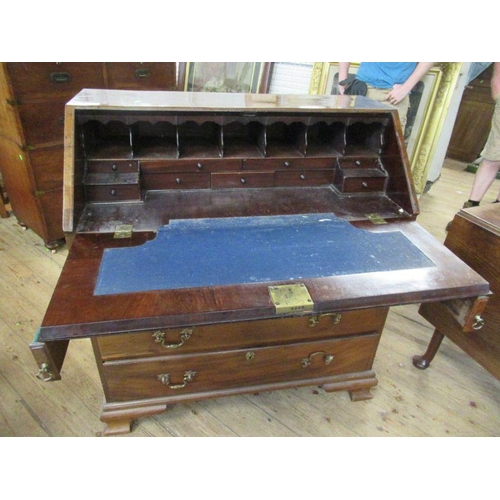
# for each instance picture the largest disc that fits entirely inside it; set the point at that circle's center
(454, 397)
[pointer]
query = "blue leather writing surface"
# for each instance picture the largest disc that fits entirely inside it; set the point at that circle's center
(194, 253)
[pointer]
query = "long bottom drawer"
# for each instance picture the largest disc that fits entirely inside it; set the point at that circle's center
(190, 374)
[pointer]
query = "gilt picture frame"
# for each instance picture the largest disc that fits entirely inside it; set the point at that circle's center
(430, 98)
(240, 77)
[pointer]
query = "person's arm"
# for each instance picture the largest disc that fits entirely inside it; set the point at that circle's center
(495, 80)
(400, 91)
(343, 72)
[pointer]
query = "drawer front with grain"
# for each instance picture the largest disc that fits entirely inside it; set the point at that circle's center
(141, 76)
(176, 181)
(203, 338)
(113, 193)
(288, 163)
(243, 180)
(223, 371)
(46, 79)
(359, 163)
(303, 178)
(112, 166)
(360, 181)
(190, 166)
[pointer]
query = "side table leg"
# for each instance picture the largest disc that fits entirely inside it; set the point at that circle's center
(423, 362)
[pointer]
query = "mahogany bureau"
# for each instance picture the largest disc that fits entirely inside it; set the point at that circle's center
(229, 243)
(32, 99)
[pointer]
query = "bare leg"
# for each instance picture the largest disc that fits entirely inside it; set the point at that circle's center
(484, 178)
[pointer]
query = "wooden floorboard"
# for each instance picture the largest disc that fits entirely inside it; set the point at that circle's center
(454, 397)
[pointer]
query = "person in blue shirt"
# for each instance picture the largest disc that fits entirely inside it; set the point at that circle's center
(389, 82)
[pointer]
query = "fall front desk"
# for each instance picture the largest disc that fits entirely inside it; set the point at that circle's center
(231, 243)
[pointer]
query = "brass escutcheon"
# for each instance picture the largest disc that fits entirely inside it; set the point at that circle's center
(314, 320)
(328, 358)
(164, 378)
(159, 337)
(43, 373)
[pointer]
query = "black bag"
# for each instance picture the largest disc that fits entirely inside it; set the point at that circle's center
(354, 87)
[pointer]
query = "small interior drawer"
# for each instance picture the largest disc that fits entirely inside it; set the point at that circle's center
(113, 192)
(345, 163)
(303, 178)
(178, 180)
(189, 166)
(112, 166)
(243, 180)
(288, 163)
(360, 180)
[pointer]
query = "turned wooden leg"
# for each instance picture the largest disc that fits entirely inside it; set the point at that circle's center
(423, 362)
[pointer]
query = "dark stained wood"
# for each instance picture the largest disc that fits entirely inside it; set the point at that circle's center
(473, 121)
(474, 236)
(32, 101)
(162, 347)
(81, 313)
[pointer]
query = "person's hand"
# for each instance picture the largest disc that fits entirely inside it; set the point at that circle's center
(397, 94)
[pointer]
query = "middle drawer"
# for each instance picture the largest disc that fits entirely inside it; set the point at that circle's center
(162, 342)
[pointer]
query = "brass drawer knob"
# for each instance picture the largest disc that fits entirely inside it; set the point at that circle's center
(328, 358)
(159, 337)
(250, 356)
(164, 378)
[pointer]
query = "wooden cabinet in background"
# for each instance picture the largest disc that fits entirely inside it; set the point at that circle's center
(32, 100)
(474, 237)
(473, 122)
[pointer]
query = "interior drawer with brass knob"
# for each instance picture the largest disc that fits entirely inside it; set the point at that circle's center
(242, 180)
(360, 180)
(178, 180)
(203, 338)
(303, 178)
(288, 163)
(172, 377)
(189, 165)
